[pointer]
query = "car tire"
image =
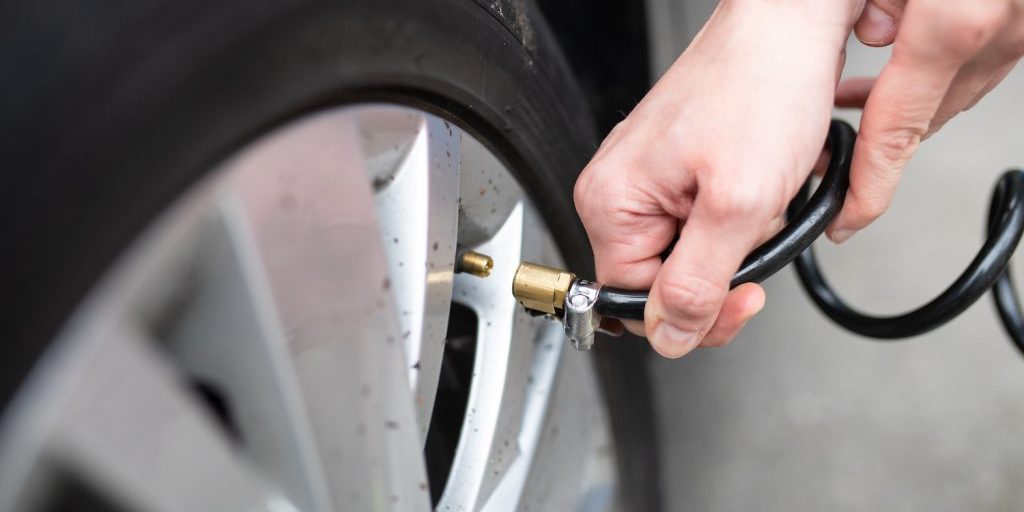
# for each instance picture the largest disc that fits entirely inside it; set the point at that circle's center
(113, 109)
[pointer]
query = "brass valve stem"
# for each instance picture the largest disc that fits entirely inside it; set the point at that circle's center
(472, 262)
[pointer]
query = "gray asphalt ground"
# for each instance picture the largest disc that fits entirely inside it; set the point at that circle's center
(799, 415)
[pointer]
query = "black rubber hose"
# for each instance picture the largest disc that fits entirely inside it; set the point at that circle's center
(801, 231)
(1008, 306)
(1004, 293)
(1005, 228)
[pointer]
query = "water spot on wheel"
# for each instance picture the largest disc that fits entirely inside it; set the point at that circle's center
(380, 182)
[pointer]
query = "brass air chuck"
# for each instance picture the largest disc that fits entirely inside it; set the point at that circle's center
(542, 289)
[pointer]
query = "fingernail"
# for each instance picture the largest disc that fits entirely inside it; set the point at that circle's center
(677, 341)
(876, 26)
(841, 235)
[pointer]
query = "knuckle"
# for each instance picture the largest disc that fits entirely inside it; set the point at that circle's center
(895, 146)
(1016, 44)
(581, 192)
(615, 134)
(967, 26)
(871, 208)
(592, 193)
(691, 296)
(735, 202)
(617, 129)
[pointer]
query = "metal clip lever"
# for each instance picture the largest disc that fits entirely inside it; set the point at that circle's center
(582, 319)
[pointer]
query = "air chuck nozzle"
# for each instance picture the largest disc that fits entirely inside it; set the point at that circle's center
(542, 289)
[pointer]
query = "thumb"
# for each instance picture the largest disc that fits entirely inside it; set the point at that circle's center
(879, 22)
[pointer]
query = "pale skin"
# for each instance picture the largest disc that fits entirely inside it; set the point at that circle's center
(720, 144)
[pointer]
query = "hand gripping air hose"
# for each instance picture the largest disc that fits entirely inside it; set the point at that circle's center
(808, 218)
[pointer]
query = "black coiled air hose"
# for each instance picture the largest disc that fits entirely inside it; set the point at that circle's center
(808, 219)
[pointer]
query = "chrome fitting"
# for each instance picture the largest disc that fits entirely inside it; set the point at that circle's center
(581, 322)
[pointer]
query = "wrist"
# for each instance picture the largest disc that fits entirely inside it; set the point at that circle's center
(810, 9)
(832, 20)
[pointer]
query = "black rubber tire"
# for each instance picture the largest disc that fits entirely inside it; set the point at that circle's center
(112, 109)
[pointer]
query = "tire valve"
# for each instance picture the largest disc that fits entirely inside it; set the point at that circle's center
(473, 263)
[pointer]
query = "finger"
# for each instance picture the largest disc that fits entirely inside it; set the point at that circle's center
(971, 83)
(879, 22)
(692, 284)
(741, 304)
(821, 166)
(979, 76)
(995, 80)
(774, 226)
(630, 275)
(854, 92)
(935, 40)
(626, 244)
(1006, 52)
(840, 65)
(622, 258)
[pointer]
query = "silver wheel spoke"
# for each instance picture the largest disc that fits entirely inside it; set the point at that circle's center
(229, 337)
(571, 451)
(413, 163)
(305, 196)
(508, 337)
(551, 344)
(131, 427)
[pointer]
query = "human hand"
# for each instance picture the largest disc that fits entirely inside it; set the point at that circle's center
(947, 55)
(713, 153)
